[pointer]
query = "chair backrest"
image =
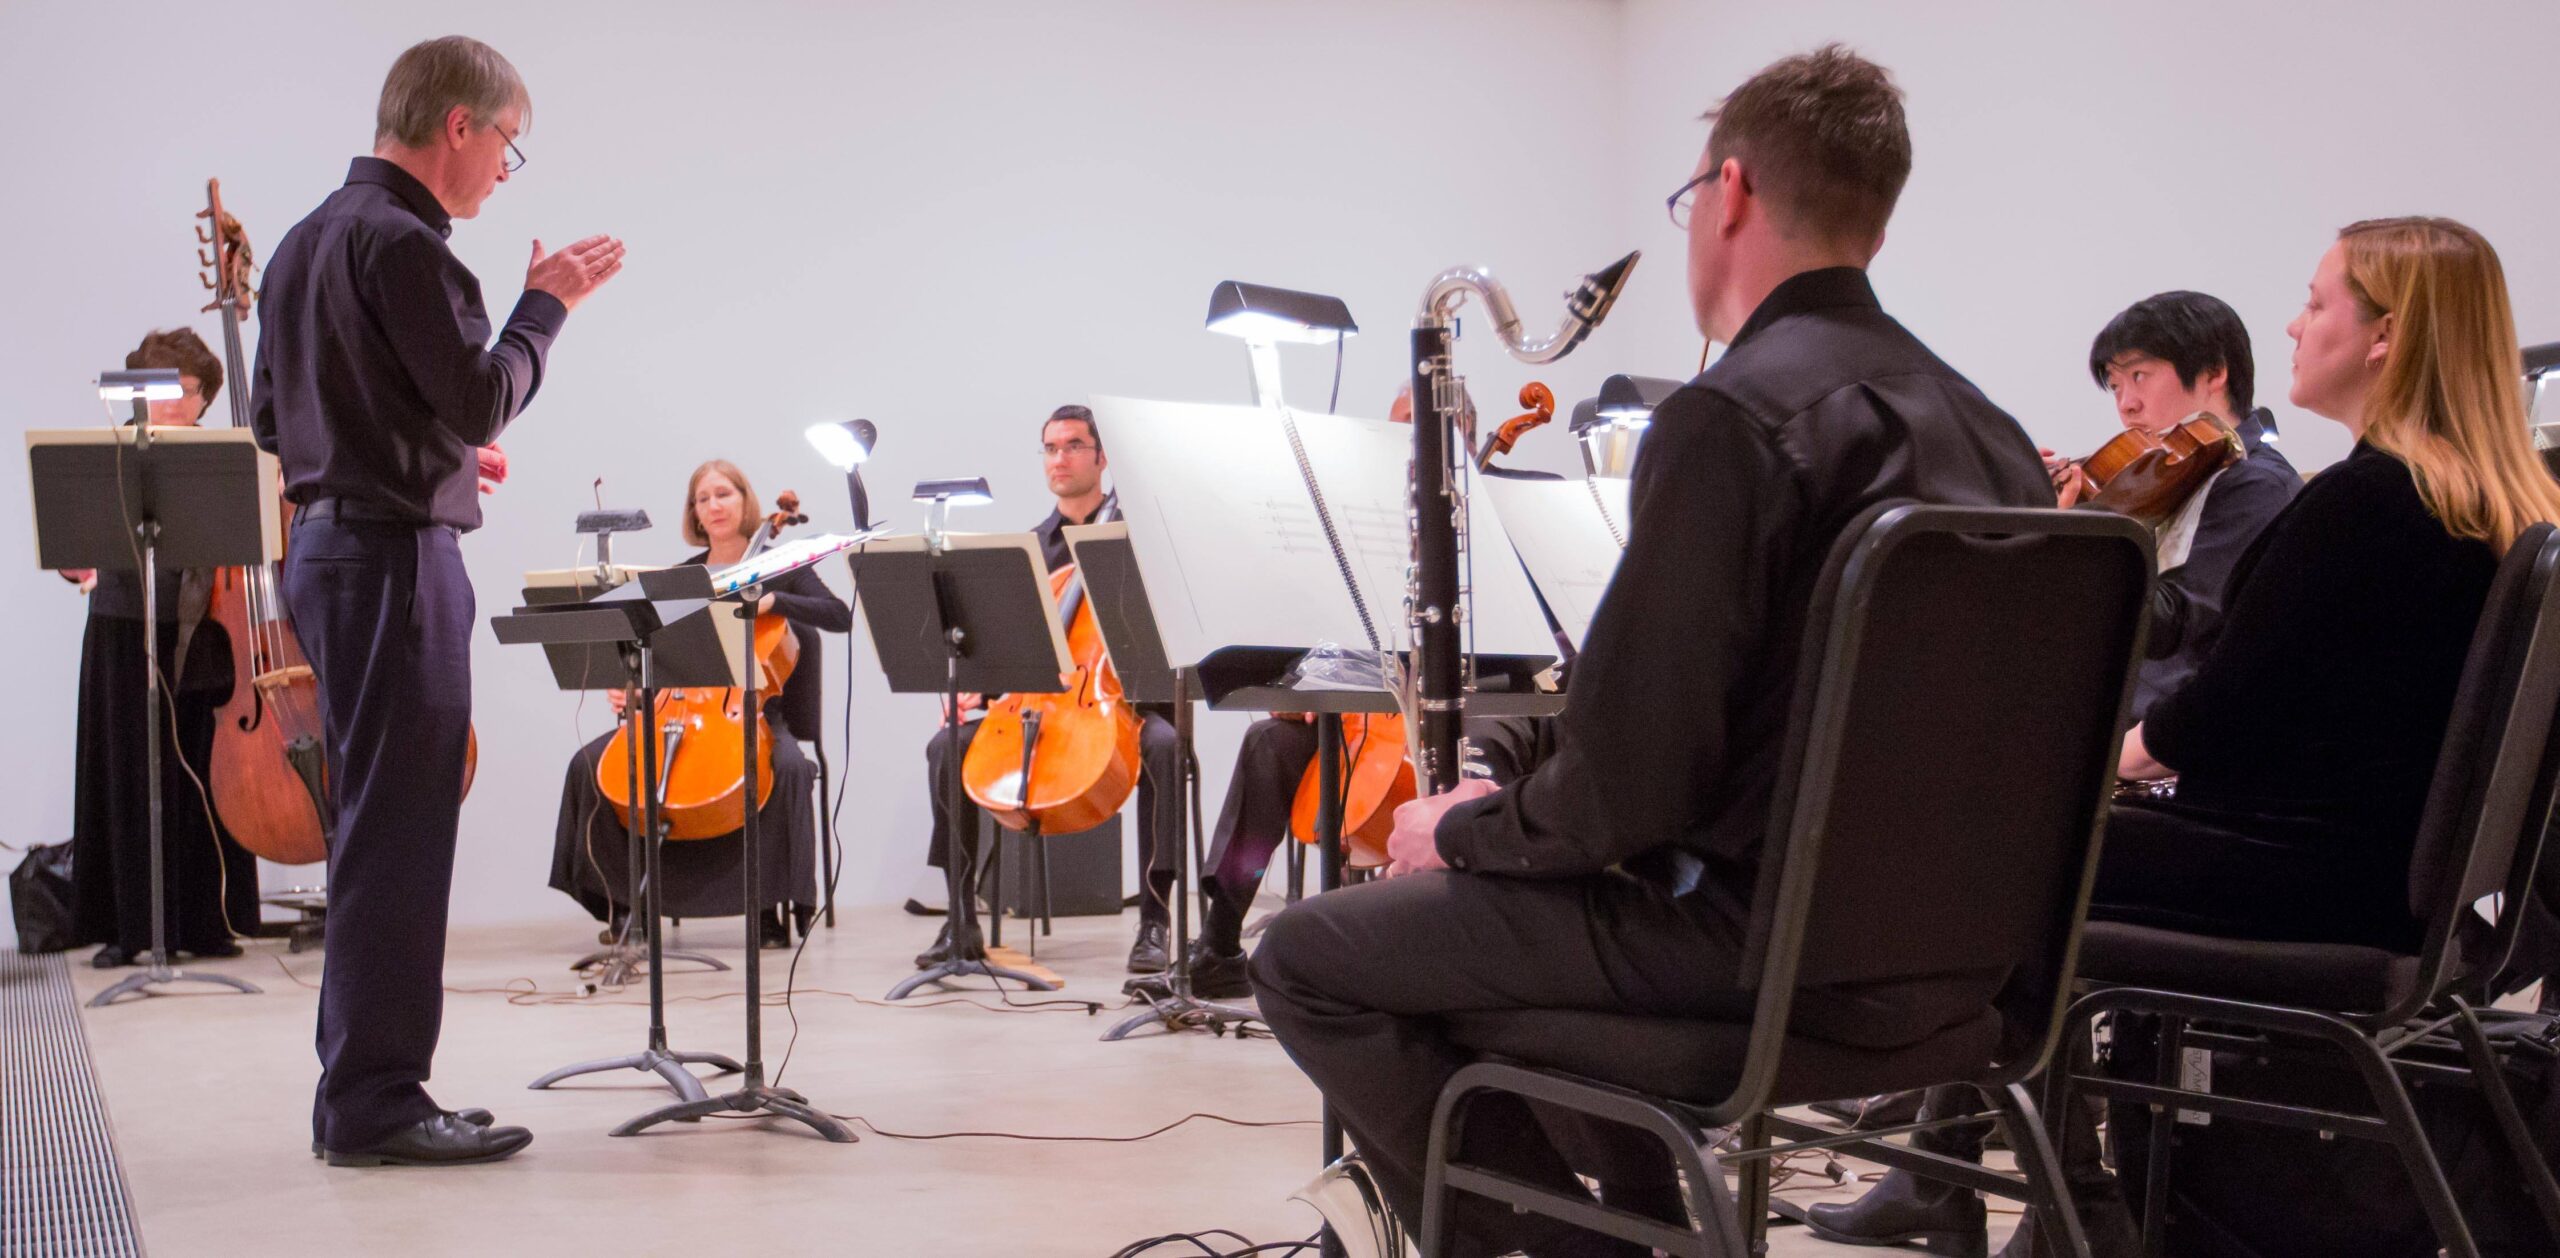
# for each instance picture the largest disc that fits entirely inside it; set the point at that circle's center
(2494, 778)
(1962, 699)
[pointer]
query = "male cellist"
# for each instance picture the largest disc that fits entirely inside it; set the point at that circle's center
(1072, 461)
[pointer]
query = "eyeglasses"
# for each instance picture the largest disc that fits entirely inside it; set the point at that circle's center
(1679, 203)
(1050, 451)
(515, 156)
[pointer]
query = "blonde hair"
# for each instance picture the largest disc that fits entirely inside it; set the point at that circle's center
(2449, 401)
(750, 509)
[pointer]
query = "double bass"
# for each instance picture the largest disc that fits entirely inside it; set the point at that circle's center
(1377, 774)
(1059, 763)
(268, 773)
(702, 754)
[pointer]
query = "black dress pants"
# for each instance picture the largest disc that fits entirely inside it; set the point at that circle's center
(1354, 983)
(384, 612)
(1160, 805)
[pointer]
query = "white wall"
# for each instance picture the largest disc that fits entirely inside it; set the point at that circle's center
(965, 214)
(2070, 159)
(968, 213)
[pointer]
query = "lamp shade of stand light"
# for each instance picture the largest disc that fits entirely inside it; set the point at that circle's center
(1262, 317)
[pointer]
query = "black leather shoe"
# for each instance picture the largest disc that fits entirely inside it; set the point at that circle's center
(444, 1140)
(941, 949)
(1152, 953)
(771, 930)
(1214, 976)
(1904, 1209)
(2112, 1233)
(111, 957)
(475, 1116)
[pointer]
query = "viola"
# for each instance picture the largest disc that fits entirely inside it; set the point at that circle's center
(2150, 476)
(269, 774)
(703, 729)
(1059, 763)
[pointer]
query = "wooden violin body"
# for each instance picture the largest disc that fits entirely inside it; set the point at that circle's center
(702, 730)
(268, 773)
(1377, 777)
(2127, 477)
(1062, 762)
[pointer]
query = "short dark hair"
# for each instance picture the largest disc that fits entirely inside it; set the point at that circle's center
(183, 349)
(2192, 332)
(1074, 414)
(1823, 138)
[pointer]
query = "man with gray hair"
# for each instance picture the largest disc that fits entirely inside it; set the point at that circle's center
(378, 389)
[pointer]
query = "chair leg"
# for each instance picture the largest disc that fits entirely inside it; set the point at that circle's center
(2426, 1175)
(1448, 1118)
(2042, 1167)
(1753, 1205)
(2517, 1136)
(2166, 1072)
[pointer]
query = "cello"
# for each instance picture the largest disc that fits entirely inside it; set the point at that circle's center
(1377, 774)
(702, 758)
(268, 772)
(1059, 763)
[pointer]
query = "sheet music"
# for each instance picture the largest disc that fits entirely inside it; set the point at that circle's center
(783, 557)
(1235, 554)
(1563, 529)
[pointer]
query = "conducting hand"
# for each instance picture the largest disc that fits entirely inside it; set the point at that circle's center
(576, 271)
(971, 701)
(85, 578)
(1414, 845)
(493, 468)
(620, 699)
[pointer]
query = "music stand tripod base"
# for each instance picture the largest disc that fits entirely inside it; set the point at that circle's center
(160, 976)
(962, 967)
(667, 1065)
(1183, 1011)
(625, 961)
(755, 1098)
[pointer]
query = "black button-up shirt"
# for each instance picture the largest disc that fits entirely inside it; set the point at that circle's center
(375, 376)
(1052, 530)
(1822, 407)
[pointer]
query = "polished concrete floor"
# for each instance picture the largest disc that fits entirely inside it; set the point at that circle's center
(210, 1098)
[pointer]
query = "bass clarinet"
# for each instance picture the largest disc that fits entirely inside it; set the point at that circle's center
(1435, 596)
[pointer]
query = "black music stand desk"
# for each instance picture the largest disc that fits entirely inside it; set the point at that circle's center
(962, 612)
(141, 500)
(622, 640)
(1117, 592)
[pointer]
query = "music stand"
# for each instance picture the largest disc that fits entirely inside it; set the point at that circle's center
(579, 665)
(973, 613)
(130, 498)
(656, 646)
(1117, 592)
(753, 1095)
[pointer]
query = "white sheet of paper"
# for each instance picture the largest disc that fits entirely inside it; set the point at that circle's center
(1565, 539)
(1235, 554)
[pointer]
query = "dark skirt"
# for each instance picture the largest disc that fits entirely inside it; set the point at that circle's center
(590, 857)
(203, 871)
(2188, 865)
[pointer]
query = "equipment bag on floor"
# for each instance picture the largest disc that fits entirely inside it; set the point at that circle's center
(2247, 1190)
(40, 899)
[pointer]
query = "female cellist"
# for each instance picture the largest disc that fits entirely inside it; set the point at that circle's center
(211, 883)
(588, 860)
